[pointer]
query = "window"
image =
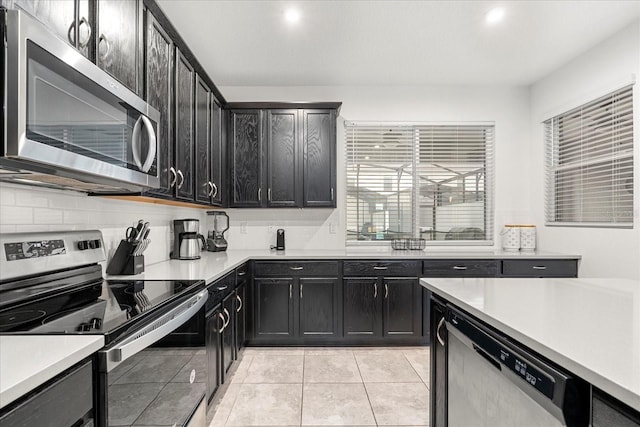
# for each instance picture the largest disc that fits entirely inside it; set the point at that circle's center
(428, 181)
(589, 163)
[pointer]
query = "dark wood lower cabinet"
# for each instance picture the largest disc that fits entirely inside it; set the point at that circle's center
(438, 381)
(361, 308)
(319, 311)
(228, 334)
(274, 309)
(240, 313)
(214, 324)
(402, 308)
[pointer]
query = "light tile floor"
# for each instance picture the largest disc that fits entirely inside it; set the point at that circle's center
(360, 386)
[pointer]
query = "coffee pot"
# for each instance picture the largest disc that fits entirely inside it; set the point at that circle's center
(187, 242)
(217, 224)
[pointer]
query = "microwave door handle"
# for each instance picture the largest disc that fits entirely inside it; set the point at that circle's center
(151, 133)
(135, 142)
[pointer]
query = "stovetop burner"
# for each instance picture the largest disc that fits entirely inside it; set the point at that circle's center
(17, 318)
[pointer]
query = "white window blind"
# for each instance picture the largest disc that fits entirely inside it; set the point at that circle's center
(428, 181)
(589, 163)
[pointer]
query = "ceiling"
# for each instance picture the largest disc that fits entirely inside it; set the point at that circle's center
(349, 42)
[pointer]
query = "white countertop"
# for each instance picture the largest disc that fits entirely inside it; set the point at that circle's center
(213, 265)
(590, 327)
(26, 361)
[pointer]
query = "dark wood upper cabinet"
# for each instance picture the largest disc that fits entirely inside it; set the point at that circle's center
(119, 40)
(218, 153)
(159, 90)
(184, 132)
(69, 19)
(296, 155)
(203, 187)
(319, 154)
(246, 158)
(282, 165)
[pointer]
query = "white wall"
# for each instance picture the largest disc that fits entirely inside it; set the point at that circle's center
(508, 107)
(606, 252)
(28, 209)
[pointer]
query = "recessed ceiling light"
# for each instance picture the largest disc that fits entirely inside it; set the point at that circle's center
(292, 16)
(495, 15)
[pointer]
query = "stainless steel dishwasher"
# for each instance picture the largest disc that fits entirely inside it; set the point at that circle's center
(494, 382)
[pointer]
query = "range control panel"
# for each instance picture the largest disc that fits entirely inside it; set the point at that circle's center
(34, 249)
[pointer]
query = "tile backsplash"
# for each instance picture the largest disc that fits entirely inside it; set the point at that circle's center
(32, 209)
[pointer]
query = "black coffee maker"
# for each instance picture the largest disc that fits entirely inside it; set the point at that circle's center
(217, 224)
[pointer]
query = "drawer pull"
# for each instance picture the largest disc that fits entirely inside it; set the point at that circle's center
(379, 268)
(296, 268)
(539, 267)
(221, 288)
(242, 273)
(459, 267)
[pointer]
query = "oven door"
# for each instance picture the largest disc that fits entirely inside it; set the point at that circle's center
(140, 384)
(64, 112)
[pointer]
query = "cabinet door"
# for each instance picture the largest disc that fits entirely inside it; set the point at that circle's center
(215, 321)
(246, 156)
(274, 308)
(439, 370)
(63, 17)
(218, 153)
(184, 127)
(319, 307)
(402, 307)
(203, 186)
(159, 89)
(319, 153)
(119, 40)
(240, 315)
(362, 315)
(283, 148)
(228, 334)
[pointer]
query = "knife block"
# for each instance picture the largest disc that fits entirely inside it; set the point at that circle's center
(124, 262)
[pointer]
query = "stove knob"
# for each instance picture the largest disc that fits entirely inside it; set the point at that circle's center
(82, 245)
(84, 327)
(97, 243)
(96, 323)
(92, 244)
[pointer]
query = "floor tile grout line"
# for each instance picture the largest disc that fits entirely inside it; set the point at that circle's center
(414, 369)
(238, 394)
(304, 357)
(375, 420)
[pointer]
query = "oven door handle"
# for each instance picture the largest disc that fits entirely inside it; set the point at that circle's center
(155, 330)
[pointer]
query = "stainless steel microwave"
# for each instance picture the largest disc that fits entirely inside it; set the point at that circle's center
(67, 123)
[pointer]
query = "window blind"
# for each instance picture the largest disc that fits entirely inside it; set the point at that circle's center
(589, 163)
(428, 181)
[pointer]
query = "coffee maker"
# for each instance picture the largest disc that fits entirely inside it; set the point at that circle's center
(187, 242)
(217, 223)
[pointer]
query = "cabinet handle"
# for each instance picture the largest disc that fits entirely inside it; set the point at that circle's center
(379, 268)
(296, 268)
(81, 45)
(181, 179)
(332, 194)
(104, 39)
(459, 267)
(172, 182)
(210, 185)
(539, 267)
(69, 36)
(228, 317)
(290, 291)
(240, 302)
(215, 190)
(386, 291)
(440, 340)
(269, 194)
(221, 288)
(242, 273)
(375, 290)
(224, 325)
(259, 194)
(301, 285)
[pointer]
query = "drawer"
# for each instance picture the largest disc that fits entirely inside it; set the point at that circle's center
(382, 268)
(540, 268)
(242, 273)
(295, 268)
(461, 268)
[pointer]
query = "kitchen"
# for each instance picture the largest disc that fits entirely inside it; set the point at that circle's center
(516, 104)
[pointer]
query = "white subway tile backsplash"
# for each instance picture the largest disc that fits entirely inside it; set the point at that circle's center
(7, 228)
(16, 215)
(47, 216)
(34, 199)
(7, 195)
(75, 217)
